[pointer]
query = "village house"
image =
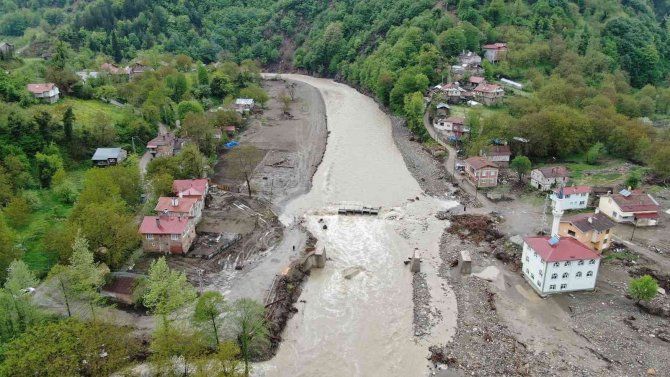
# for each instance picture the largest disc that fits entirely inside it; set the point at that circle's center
(112, 69)
(104, 157)
(593, 230)
(495, 52)
(469, 58)
(632, 207)
(46, 92)
(184, 207)
(453, 92)
(453, 126)
(6, 51)
(548, 177)
(474, 81)
(137, 69)
(555, 264)
(461, 70)
(166, 234)
(442, 109)
(489, 94)
(162, 145)
(86, 75)
(573, 197)
(244, 105)
(500, 154)
(192, 188)
(481, 172)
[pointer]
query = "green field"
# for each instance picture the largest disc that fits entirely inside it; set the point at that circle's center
(84, 110)
(50, 214)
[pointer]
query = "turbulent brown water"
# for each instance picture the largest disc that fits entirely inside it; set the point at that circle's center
(357, 316)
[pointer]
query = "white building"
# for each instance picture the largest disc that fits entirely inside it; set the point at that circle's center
(46, 92)
(558, 264)
(574, 197)
(244, 105)
(548, 177)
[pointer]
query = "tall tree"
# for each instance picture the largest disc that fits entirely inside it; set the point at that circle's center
(207, 311)
(167, 290)
(68, 123)
(8, 251)
(243, 161)
(248, 318)
(521, 165)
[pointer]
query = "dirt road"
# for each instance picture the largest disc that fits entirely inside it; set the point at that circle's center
(357, 318)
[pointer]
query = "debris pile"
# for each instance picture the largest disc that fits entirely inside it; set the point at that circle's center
(474, 228)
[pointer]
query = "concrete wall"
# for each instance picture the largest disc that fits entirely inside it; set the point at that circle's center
(164, 243)
(597, 241)
(608, 206)
(572, 201)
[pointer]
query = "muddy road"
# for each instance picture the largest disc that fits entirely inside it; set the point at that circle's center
(357, 314)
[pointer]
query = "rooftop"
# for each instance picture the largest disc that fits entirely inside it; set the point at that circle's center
(455, 119)
(488, 88)
(587, 222)
(554, 171)
(164, 225)
(573, 190)
(566, 249)
(103, 154)
(183, 205)
(244, 101)
(495, 46)
(480, 162)
(160, 140)
(476, 79)
(189, 187)
(40, 88)
(636, 201)
(498, 150)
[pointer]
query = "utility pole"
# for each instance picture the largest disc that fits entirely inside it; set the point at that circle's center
(633, 233)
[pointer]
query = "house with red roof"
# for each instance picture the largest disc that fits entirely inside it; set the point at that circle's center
(495, 52)
(572, 197)
(451, 126)
(186, 207)
(481, 171)
(48, 92)
(489, 94)
(473, 82)
(632, 207)
(557, 264)
(167, 234)
(191, 188)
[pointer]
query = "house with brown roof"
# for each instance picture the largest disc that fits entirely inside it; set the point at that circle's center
(469, 58)
(592, 230)
(137, 69)
(167, 234)
(489, 94)
(632, 207)
(548, 177)
(46, 92)
(453, 126)
(453, 92)
(495, 52)
(185, 207)
(481, 171)
(500, 154)
(162, 145)
(473, 82)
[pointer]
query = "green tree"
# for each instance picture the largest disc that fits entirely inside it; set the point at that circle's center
(47, 166)
(18, 212)
(633, 179)
(225, 362)
(180, 87)
(68, 123)
(221, 85)
(208, 309)
(86, 276)
(166, 290)
(187, 107)
(248, 320)
(17, 312)
(452, 41)
(169, 344)
(660, 161)
(594, 153)
(191, 162)
(414, 113)
(203, 75)
(521, 165)
(243, 160)
(8, 251)
(256, 93)
(161, 184)
(69, 348)
(197, 128)
(643, 288)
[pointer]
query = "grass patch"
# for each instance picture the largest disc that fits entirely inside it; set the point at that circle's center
(50, 214)
(622, 255)
(85, 111)
(461, 110)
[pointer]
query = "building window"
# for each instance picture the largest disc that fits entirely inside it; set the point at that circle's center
(578, 275)
(581, 203)
(564, 286)
(566, 264)
(589, 274)
(571, 233)
(554, 276)
(174, 237)
(556, 264)
(565, 275)
(150, 236)
(580, 263)
(553, 286)
(532, 276)
(592, 261)
(538, 283)
(539, 272)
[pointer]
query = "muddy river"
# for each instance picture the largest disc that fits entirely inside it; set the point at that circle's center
(356, 318)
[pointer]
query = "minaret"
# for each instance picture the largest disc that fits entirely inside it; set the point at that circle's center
(557, 212)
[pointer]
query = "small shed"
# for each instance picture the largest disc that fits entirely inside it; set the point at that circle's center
(244, 105)
(108, 156)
